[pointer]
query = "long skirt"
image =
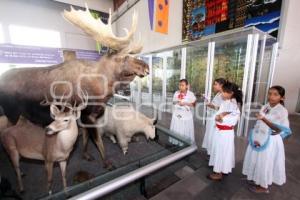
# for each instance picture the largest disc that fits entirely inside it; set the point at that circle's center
(209, 133)
(182, 124)
(222, 152)
(267, 166)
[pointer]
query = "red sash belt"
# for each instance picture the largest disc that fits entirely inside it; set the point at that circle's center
(224, 127)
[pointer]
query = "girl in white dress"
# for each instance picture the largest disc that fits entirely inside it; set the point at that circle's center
(264, 161)
(182, 119)
(222, 152)
(212, 108)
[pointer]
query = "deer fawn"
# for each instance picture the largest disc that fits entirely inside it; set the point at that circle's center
(52, 144)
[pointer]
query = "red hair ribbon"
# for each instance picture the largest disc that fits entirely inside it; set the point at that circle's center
(181, 96)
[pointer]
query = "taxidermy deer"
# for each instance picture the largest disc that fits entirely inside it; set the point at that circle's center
(22, 89)
(52, 144)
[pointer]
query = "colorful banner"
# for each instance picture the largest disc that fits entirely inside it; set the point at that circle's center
(198, 21)
(223, 15)
(151, 12)
(162, 16)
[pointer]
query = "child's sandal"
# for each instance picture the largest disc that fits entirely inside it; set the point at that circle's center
(259, 190)
(215, 177)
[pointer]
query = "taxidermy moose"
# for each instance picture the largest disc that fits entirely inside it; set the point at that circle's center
(22, 89)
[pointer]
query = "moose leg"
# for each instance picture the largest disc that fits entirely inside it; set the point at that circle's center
(99, 143)
(15, 158)
(62, 166)
(85, 138)
(49, 169)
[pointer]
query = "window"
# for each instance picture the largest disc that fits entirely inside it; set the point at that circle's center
(23, 35)
(1, 34)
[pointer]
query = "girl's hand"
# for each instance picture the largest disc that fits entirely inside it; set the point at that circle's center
(256, 144)
(219, 118)
(260, 116)
(210, 105)
(206, 100)
(222, 115)
(181, 103)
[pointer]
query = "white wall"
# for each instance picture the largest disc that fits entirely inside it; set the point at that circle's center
(287, 71)
(154, 41)
(44, 14)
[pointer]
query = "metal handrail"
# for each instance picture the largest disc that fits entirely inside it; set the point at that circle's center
(122, 97)
(124, 180)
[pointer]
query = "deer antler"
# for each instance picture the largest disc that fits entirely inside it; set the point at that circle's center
(84, 101)
(103, 33)
(61, 103)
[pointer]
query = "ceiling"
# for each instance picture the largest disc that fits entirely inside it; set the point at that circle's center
(100, 5)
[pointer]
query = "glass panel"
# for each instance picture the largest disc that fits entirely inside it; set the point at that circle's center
(1, 34)
(229, 60)
(157, 79)
(134, 90)
(145, 153)
(196, 64)
(261, 78)
(145, 85)
(173, 75)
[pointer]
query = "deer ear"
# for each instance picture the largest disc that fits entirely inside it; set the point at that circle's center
(54, 110)
(77, 114)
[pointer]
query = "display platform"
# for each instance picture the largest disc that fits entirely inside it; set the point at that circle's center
(140, 153)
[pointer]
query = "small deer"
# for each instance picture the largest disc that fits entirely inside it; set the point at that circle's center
(51, 144)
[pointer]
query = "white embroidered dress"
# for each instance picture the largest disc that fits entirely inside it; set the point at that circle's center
(211, 124)
(222, 151)
(182, 118)
(265, 164)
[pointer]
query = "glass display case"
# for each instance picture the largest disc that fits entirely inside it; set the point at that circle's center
(244, 56)
(143, 157)
(157, 150)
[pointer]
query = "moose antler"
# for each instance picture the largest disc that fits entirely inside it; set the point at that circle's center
(103, 33)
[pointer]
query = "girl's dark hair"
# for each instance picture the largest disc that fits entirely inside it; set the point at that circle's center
(221, 81)
(280, 90)
(234, 88)
(184, 80)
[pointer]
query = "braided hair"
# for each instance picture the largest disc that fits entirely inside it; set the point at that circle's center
(230, 87)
